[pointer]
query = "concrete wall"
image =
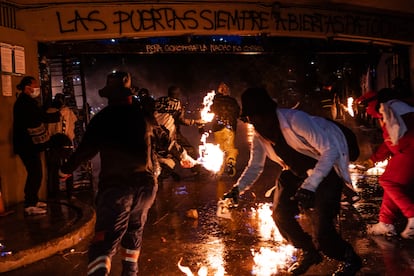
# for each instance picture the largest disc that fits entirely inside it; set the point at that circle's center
(12, 171)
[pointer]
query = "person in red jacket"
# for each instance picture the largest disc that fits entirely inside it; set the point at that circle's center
(396, 119)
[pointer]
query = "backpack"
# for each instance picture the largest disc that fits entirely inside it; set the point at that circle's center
(351, 140)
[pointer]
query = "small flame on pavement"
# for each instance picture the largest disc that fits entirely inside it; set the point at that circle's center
(267, 228)
(378, 169)
(268, 261)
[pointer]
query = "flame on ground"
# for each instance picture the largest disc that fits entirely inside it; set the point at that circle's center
(378, 169)
(269, 261)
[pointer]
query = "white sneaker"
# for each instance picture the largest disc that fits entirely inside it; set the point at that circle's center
(41, 204)
(33, 211)
(381, 228)
(408, 232)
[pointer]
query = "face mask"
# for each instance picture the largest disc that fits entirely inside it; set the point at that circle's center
(35, 93)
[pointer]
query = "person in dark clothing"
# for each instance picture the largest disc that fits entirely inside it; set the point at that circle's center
(125, 137)
(313, 155)
(226, 112)
(30, 138)
(170, 114)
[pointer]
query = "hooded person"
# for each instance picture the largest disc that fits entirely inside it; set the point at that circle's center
(125, 138)
(396, 119)
(312, 153)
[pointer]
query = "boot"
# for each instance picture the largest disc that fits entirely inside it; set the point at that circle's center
(382, 228)
(308, 259)
(408, 232)
(351, 265)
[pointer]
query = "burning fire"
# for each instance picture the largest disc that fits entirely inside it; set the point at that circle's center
(378, 169)
(269, 261)
(211, 156)
(349, 108)
(206, 115)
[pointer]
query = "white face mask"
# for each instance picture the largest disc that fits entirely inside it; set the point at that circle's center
(35, 93)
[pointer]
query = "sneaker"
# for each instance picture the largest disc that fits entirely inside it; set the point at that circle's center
(381, 228)
(33, 211)
(308, 259)
(408, 232)
(41, 204)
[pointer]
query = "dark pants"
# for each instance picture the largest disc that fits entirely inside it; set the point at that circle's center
(33, 164)
(55, 158)
(327, 205)
(121, 213)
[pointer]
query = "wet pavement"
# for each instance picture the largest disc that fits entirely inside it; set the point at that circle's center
(183, 225)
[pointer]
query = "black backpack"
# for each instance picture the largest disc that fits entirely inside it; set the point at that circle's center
(351, 139)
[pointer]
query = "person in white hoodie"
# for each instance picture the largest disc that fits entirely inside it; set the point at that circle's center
(313, 154)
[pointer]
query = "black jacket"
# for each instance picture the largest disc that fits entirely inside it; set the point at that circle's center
(123, 136)
(29, 125)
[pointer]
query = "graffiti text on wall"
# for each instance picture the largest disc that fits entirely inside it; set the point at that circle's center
(202, 48)
(168, 19)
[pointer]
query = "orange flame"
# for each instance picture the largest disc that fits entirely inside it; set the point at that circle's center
(349, 108)
(378, 169)
(211, 156)
(206, 115)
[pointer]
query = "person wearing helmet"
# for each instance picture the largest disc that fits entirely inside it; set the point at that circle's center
(226, 112)
(396, 119)
(125, 136)
(313, 155)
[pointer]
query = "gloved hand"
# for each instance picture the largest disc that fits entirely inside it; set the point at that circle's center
(305, 198)
(233, 194)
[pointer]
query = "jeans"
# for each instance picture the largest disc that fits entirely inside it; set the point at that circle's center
(121, 213)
